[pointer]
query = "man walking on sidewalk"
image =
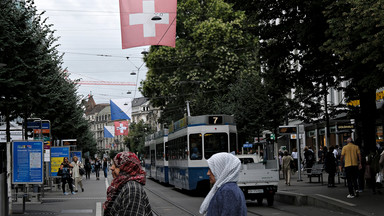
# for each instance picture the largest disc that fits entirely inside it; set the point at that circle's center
(352, 164)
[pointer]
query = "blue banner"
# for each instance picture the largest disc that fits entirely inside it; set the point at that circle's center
(57, 156)
(27, 162)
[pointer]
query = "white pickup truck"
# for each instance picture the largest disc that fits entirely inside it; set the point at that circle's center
(258, 178)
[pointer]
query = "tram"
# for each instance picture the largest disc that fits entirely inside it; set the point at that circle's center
(191, 141)
(161, 158)
(178, 156)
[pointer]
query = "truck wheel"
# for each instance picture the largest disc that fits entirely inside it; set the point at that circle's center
(270, 200)
(259, 201)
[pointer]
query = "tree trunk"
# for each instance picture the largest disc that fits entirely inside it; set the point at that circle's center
(368, 119)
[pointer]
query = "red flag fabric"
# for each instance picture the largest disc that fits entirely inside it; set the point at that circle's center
(121, 128)
(148, 22)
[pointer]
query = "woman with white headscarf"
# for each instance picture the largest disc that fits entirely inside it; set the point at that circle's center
(225, 197)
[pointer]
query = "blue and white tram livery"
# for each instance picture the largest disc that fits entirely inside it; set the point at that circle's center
(161, 138)
(191, 141)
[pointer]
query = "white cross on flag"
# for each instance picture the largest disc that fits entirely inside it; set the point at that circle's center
(121, 128)
(148, 22)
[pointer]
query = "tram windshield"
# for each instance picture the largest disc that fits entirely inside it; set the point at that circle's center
(195, 146)
(214, 143)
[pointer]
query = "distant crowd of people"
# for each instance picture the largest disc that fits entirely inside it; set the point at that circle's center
(72, 172)
(359, 168)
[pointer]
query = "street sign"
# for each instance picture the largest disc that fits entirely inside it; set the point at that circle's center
(272, 136)
(27, 162)
(57, 156)
(287, 130)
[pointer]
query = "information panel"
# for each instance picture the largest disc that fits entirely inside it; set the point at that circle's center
(27, 162)
(78, 154)
(57, 156)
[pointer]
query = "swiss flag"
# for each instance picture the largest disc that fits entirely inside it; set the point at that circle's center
(148, 22)
(121, 128)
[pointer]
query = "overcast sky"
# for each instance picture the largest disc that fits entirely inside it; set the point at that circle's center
(90, 37)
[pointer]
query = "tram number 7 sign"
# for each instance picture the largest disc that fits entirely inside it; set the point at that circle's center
(215, 120)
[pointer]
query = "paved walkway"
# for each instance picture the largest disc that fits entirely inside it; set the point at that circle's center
(299, 193)
(316, 194)
(84, 203)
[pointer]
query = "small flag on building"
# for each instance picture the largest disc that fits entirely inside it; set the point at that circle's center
(121, 128)
(109, 131)
(148, 22)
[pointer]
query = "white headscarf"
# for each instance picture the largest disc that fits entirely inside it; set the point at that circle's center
(225, 167)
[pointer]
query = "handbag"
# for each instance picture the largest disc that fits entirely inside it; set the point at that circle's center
(81, 171)
(379, 178)
(60, 172)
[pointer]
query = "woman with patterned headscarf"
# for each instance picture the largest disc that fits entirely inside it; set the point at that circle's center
(225, 197)
(126, 195)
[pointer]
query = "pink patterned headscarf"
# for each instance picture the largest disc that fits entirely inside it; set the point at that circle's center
(130, 170)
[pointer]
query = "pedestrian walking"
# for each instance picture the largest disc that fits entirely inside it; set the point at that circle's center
(88, 168)
(76, 165)
(295, 160)
(330, 164)
(97, 168)
(287, 161)
(225, 197)
(65, 168)
(351, 156)
(105, 167)
(126, 195)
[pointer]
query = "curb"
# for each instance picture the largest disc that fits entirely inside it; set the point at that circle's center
(320, 201)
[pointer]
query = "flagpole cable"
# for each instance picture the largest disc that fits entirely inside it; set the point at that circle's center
(167, 30)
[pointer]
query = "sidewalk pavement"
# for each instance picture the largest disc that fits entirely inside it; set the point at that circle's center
(84, 203)
(334, 198)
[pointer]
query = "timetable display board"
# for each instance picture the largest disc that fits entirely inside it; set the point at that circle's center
(57, 156)
(27, 162)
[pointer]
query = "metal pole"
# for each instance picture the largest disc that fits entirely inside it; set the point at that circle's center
(9, 178)
(298, 153)
(188, 110)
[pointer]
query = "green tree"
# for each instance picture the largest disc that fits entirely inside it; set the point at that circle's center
(212, 51)
(356, 29)
(33, 82)
(136, 138)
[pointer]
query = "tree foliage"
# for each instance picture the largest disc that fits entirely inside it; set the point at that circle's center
(355, 33)
(136, 138)
(33, 82)
(212, 51)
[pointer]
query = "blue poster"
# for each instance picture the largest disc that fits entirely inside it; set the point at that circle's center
(57, 156)
(27, 162)
(76, 153)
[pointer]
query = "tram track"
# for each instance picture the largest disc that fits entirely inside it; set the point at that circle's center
(157, 213)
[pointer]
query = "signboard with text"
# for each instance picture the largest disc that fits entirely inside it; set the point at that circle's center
(27, 162)
(57, 156)
(77, 154)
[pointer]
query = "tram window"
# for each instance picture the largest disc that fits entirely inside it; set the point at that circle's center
(152, 157)
(233, 142)
(185, 147)
(214, 143)
(146, 156)
(195, 145)
(166, 151)
(159, 151)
